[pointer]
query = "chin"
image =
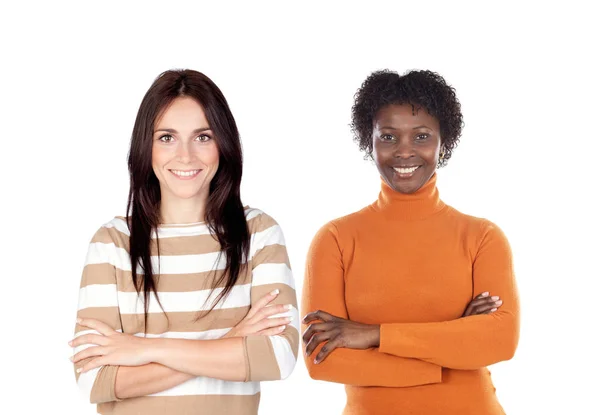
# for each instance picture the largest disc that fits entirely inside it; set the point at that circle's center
(185, 194)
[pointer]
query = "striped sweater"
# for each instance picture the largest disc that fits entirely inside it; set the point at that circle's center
(189, 256)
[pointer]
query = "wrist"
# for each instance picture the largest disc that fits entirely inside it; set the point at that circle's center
(376, 335)
(154, 349)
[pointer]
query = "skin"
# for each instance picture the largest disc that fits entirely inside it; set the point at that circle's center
(339, 332)
(403, 137)
(121, 349)
(182, 141)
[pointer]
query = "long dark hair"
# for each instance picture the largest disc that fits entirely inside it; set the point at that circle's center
(224, 210)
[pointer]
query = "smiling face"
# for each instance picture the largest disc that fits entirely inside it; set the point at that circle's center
(406, 146)
(185, 156)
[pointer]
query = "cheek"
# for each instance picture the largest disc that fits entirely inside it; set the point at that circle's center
(211, 156)
(159, 157)
(380, 153)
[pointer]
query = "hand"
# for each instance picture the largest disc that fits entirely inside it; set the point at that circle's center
(111, 347)
(258, 320)
(337, 332)
(483, 304)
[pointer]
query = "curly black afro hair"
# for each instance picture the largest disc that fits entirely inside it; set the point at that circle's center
(424, 89)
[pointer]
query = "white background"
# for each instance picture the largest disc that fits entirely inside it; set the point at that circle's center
(73, 76)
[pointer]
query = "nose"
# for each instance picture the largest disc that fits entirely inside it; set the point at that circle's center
(404, 149)
(184, 152)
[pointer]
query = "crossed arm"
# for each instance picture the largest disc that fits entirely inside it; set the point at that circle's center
(111, 365)
(407, 354)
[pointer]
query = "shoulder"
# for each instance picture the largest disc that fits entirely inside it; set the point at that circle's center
(336, 231)
(480, 231)
(351, 221)
(114, 232)
(259, 221)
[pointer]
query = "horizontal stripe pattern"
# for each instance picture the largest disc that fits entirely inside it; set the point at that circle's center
(190, 264)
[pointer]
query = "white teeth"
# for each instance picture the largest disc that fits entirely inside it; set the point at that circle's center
(407, 170)
(185, 173)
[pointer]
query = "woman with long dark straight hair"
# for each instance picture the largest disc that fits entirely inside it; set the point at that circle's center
(188, 303)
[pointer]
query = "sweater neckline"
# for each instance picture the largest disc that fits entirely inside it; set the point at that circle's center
(421, 204)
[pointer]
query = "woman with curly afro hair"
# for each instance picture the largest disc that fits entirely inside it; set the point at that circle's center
(409, 300)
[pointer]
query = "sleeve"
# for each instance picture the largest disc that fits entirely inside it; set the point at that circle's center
(271, 357)
(475, 341)
(98, 300)
(324, 289)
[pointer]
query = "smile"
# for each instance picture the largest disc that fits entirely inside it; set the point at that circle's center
(185, 174)
(406, 170)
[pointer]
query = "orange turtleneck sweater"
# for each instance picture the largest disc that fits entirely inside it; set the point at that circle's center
(412, 264)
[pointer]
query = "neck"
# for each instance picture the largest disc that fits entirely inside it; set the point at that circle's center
(421, 204)
(175, 210)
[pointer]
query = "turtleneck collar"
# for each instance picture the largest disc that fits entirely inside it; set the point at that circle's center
(422, 204)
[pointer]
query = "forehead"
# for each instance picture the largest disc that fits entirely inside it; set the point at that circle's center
(182, 110)
(404, 115)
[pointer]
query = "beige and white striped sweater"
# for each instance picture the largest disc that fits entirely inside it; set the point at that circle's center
(189, 254)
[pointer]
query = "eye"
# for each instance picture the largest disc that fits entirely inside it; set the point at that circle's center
(387, 137)
(422, 136)
(203, 138)
(167, 138)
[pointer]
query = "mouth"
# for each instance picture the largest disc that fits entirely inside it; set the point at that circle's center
(185, 174)
(406, 172)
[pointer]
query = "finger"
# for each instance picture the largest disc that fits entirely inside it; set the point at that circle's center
(92, 364)
(316, 340)
(263, 301)
(485, 308)
(268, 323)
(89, 352)
(482, 295)
(314, 328)
(326, 350)
(272, 332)
(268, 311)
(478, 302)
(318, 315)
(471, 309)
(482, 309)
(97, 325)
(89, 339)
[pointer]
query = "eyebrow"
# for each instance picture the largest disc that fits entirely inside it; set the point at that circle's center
(394, 128)
(173, 131)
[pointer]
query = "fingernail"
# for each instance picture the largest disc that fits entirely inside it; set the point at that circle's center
(499, 302)
(79, 370)
(71, 343)
(71, 358)
(275, 292)
(485, 294)
(288, 319)
(281, 328)
(78, 321)
(494, 298)
(493, 309)
(288, 306)
(316, 362)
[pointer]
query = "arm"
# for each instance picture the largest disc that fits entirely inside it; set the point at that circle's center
(470, 342)
(272, 357)
(324, 288)
(98, 299)
(255, 357)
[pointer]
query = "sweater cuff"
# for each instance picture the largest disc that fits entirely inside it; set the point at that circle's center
(262, 364)
(395, 343)
(104, 385)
